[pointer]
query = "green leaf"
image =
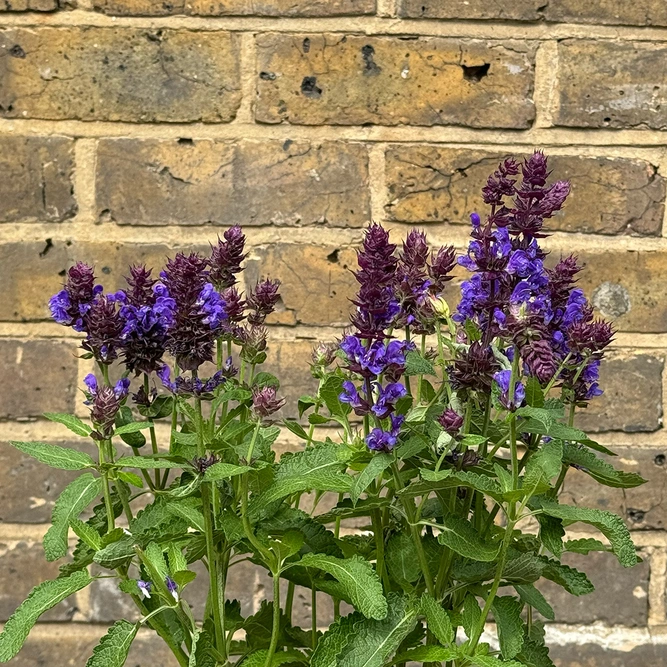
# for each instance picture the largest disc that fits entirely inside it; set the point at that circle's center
(374, 641)
(220, 471)
(188, 509)
(132, 427)
(507, 612)
(320, 468)
(42, 598)
(438, 621)
(330, 391)
(378, 464)
(450, 479)
(426, 654)
(296, 428)
(551, 534)
(258, 658)
(533, 597)
(130, 478)
(62, 458)
(155, 555)
(543, 466)
(116, 553)
(87, 534)
(600, 470)
(460, 536)
(147, 462)
(334, 641)
(415, 364)
(471, 615)
(72, 501)
(125, 416)
(357, 578)
(541, 415)
(609, 524)
(572, 580)
(491, 661)
(584, 546)
(73, 423)
(317, 537)
(114, 647)
(534, 393)
(402, 560)
(177, 562)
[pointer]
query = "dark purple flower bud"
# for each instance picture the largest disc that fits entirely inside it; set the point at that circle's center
(561, 280)
(253, 342)
(415, 250)
(503, 379)
(235, 305)
(143, 399)
(106, 402)
(535, 170)
(140, 283)
(69, 306)
(263, 300)
(474, 369)
(104, 327)
(145, 587)
(554, 198)
(442, 264)
(590, 337)
(499, 185)
(451, 421)
(540, 360)
(265, 401)
(190, 386)
(226, 258)
(203, 463)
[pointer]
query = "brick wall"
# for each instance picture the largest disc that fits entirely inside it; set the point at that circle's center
(130, 128)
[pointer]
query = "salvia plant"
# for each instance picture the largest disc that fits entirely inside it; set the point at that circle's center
(437, 440)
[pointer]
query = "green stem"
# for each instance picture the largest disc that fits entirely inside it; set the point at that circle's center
(406, 378)
(111, 519)
(151, 430)
(211, 555)
(244, 499)
(420, 378)
(275, 630)
(313, 615)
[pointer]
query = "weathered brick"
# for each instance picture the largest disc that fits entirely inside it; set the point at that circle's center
(317, 281)
(592, 655)
(627, 287)
(47, 647)
(22, 564)
(434, 184)
(643, 507)
(139, 75)
(620, 597)
(194, 183)
(236, 7)
(351, 80)
(648, 12)
(37, 179)
(30, 488)
(42, 375)
(28, 5)
(632, 399)
(611, 84)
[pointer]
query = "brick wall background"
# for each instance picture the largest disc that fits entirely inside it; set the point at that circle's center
(130, 128)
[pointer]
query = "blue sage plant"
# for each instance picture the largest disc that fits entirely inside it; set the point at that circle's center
(424, 501)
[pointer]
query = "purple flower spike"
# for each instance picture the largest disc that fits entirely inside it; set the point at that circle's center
(262, 301)
(226, 258)
(104, 326)
(69, 306)
(451, 421)
(379, 440)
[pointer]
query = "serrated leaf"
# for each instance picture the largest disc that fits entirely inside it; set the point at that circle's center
(415, 364)
(130, 478)
(491, 661)
(426, 654)
(600, 470)
(373, 641)
(147, 462)
(358, 579)
(115, 554)
(42, 598)
(543, 466)
(334, 641)
(177, 562)
(507, 612)
(125, 416)
(572, 580)
(72, 501)
(113, 649)
(330, 391)
(471, 614)
(73, 423)
(155, 556)
(258, 658)
(130, 587)
(402, 560)
(534, 393)
(584, 546)
(609, 524)
(62, 458)
(450, 479)
(551, 534)
(87, 534)
(533, 597)
(461, 537)
(438, 621)
(319, 468)
(317, 538)
(188, 509)
(220, 471)
(296, 428)
(378, 464)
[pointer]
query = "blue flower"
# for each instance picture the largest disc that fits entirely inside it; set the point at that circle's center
(502, 379)
(387, 398)
(172, 587)
(212, 306)
(145, 588)
(379, 440)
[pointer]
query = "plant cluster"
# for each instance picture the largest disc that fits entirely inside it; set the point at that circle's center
(443, 434)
